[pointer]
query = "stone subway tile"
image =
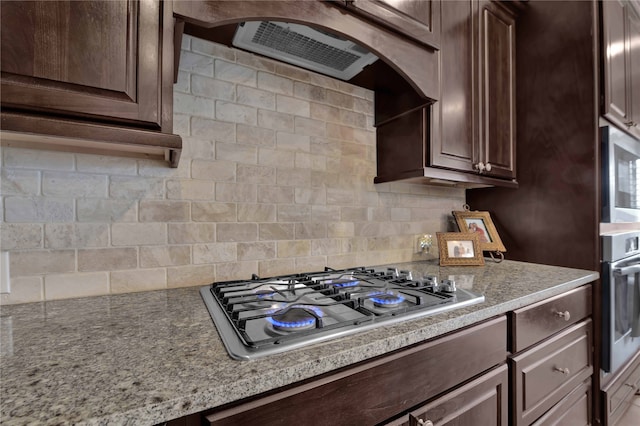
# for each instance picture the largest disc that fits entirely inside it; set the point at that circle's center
(256, 212)
(257, 136)
(236, 192)
(209, 211)
(274, 267)
(256, 98)
(214, 253)
(76, 235)
(153, 257)
(190, 275)
(235, 270)
(237, 232)
(138, 280)
(38, 262)
(135, 188)
(98, 210)
(295, 248)
(107, 259)
(187, 189)
(38, 209)
(289, 105)
(78, 185)
(20, 236)
(136, 234)
(75, 285)
(164, 211)
(19, 182)
(218, 171)
(249, 173)
(188, 233)
(276, 231)
(24, 290)
(256, 250)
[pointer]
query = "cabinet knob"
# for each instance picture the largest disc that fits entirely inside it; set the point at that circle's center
(562, 370)
(488, 167)
(566, 315)
(480, 167)
(425, 422)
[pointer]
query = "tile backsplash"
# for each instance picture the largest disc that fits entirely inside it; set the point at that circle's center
(276, 176)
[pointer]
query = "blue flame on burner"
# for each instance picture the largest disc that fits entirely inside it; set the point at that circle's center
(345, 284)
(391, 299)
(296, 324)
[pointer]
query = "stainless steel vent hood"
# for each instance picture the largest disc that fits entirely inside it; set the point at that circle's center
(304, 46)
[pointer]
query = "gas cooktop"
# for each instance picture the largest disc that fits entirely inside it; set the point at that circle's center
(265, 316)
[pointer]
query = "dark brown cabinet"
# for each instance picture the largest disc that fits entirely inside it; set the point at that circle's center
(477, 107)
(92, 74)
(471, 128)
(620, 391)
(418, 19)
(485, 398)
(385, 389)
(552, 363)
(621, 30)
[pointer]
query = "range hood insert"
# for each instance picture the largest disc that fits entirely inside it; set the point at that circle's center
(304, 46)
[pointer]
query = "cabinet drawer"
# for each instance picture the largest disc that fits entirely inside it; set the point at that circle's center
(375, 391)
(619, 393)
(573, 410)
(484, 398)
(536, 322)
(543, 375)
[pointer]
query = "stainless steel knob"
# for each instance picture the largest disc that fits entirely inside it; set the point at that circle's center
(566, 315)
(488, 167)
(448, 286)
(425, 422)
(480, 166)
(562, 370)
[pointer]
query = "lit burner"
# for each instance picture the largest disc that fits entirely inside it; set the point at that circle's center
(386, 299)
(263, 294)
(296, 318)
(343, 283)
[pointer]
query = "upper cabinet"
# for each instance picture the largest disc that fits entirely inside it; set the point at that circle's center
(418, 19)
(621, 52)
(93, 75)
(468, 135)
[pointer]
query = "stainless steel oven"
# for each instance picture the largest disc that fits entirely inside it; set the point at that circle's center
(620, 176)
(620, 298)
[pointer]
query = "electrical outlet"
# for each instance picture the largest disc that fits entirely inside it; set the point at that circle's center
(5, 285)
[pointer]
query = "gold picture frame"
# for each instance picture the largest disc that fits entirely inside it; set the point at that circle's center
(459, 248)
(481, 224)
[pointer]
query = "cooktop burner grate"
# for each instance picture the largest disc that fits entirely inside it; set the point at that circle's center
(260, 316)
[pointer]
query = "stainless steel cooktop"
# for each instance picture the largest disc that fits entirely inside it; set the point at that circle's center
(265, 316)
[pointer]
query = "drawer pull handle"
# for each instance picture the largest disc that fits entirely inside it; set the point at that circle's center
(566, 315)
(632, 386)
(562, 370)
(425, 422)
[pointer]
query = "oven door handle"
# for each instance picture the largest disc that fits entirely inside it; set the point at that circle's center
(627, 270)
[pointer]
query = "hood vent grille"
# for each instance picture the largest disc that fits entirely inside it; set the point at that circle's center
(305, 47)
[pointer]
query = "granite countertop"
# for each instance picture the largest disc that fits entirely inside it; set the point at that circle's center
(144, 358)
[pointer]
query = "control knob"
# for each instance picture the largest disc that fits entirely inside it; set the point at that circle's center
(448, 286)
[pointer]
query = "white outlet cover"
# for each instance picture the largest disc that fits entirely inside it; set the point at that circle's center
(5, 286)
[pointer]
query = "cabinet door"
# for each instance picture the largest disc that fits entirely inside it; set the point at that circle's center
(621, 35)
(497, 110)
(418, 19)
(83, 59)
(485, 398)
(634, 69)
(454, 144)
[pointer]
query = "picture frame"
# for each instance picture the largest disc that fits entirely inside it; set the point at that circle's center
(459, 248)
(480, 223)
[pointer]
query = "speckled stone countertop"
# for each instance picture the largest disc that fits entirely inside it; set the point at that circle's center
(144, 358)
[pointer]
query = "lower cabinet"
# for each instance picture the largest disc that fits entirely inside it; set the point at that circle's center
(620, 391)
(483, 400)
(390, 388)
(531, 367)
(552, 361)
